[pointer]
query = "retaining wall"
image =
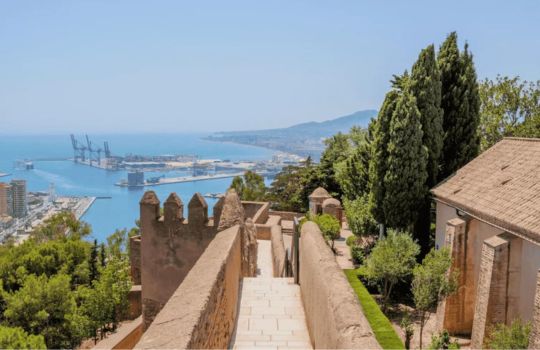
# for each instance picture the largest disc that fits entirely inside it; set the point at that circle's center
(278, 251)
(201, 313)
(264, 231)
(257, 211)
(333, 313)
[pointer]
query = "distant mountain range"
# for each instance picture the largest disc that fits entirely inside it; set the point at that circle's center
(306, 139)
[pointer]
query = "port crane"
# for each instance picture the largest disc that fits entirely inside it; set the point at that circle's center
(79, 149)
(94, 152)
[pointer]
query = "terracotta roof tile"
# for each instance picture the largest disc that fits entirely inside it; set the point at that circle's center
(501, 186)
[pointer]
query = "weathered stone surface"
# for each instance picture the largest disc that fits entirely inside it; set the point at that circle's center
(197, 210)
(232, 212)
(452, 313)
(169, 247)
(278, 251)
(534, 339)
(332, 206)
(334, 316)
(173, 208)
(249, 249)
(135, 259)
(201, 313)
(492, 288)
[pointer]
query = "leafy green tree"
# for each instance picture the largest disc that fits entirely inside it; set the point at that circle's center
(506, 105)
(461, 105)
(17, 338)
(251, 187)
(45, 306)
(391, 260)
(292, 186)
(379, 160)
(359, 217)
(405, 178)
(337, 149)
(238, 185)
(60, 225)
(352, 174)
(515, 336)
(431, 283)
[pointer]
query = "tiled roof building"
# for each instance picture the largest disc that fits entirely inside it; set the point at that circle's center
(488, 213)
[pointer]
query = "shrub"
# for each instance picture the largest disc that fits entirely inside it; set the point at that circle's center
(515, 336)
(357, 254)
(391, 260)
(351, 240)
(329, 226)
(359, 217)
(443, 341)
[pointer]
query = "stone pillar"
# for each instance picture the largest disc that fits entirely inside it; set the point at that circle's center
(451, 313)
(135, 259)
(490, 306)
(534, 339)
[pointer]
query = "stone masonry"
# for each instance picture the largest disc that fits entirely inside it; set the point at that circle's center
(492, 287)
(534, 339)
(453, 314)
(170, 246)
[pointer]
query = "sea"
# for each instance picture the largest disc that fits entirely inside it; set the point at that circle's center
(122, 208)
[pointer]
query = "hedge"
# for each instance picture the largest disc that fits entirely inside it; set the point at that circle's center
(381, 326)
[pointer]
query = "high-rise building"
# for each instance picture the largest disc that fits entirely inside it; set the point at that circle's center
(5, 199)
(18, 195)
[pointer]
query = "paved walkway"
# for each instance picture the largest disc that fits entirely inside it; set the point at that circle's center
(271, 314)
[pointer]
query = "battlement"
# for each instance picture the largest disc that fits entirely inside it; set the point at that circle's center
(171, 244)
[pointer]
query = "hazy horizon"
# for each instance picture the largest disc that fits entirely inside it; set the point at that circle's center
(171, 67)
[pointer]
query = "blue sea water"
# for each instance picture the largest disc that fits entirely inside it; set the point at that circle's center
(122, 209)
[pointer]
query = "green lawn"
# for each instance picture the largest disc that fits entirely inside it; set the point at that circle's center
(384, 332)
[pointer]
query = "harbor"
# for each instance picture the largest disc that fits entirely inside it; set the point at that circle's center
(173, 180)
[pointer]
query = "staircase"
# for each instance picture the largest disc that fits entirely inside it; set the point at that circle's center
(271, 314)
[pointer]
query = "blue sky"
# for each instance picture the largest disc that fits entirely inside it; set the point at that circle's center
(178, 66)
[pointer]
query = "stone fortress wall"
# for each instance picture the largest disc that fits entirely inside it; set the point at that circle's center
(190, 272)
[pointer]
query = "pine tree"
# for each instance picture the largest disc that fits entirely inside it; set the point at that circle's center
(379, 155)
(426, 88)
(460, 103)
(405, 178)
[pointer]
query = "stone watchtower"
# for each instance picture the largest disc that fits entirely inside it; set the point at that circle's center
(316, 200)
(320, 202)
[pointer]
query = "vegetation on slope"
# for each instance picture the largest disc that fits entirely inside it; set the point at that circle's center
(381, 326)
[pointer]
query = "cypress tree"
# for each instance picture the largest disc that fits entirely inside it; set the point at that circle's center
(406, 174)
(102, 255)
(460, 103)
(379, 155)
(471, 109)
(426, 87)
(94, 262)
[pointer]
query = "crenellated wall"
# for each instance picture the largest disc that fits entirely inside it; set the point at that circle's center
(201, 313)
(170, 246)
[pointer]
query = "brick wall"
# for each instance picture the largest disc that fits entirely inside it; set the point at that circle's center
(492, 290)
